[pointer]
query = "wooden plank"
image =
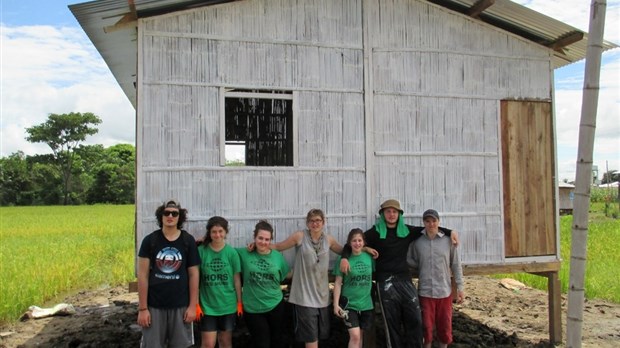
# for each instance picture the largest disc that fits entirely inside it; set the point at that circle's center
(484, 269)
(566, 40)
(479, 7)
(507, 162)
(543, 174)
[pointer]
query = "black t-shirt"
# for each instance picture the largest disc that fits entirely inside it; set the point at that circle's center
(169, 261)
(392, 250)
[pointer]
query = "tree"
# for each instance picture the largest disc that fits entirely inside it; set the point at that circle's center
(47, 183)
(15, 179)
(63, 133)
(114, 176)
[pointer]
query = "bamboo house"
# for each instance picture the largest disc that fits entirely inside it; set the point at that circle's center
(339, 105)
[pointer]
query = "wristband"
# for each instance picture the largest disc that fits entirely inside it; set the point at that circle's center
(142, 309)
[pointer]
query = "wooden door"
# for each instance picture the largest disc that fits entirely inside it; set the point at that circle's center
(528, 177)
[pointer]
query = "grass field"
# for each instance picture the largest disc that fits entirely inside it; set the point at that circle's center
(48, 251)
(602, 277)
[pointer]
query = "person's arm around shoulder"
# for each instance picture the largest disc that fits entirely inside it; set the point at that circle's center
(144, 316)
(292, 240)
(454, 236)
(372, 252)
(334, 245)
(346, 253)
(285, 270)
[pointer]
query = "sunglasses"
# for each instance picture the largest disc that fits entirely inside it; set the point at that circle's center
(174, 213)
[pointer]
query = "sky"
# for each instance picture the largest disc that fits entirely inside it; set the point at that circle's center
(48, 65)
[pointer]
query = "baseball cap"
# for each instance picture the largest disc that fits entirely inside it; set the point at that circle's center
(430, 213)
(171, 203)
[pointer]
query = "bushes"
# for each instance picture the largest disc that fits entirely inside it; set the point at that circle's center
(604, 195)
(608, 197)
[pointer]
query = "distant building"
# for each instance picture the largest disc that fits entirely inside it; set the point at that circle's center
(595, 179)
(565, 199)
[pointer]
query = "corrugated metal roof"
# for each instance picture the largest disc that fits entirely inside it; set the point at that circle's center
(531, 25)
(117, 44)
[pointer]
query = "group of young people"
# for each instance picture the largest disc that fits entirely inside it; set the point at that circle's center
(175, 278)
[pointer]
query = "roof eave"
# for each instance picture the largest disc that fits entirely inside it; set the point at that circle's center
(111, 26)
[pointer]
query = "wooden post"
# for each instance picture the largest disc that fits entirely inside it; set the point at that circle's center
(133, 286)
(554, 293)
(554, 297)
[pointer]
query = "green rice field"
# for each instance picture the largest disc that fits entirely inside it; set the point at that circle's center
(51, 250)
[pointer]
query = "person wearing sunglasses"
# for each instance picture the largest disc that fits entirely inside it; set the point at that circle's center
(168, 281)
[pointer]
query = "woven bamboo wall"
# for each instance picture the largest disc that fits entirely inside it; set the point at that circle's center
(431, 97)
(438, 78)
(313, 49)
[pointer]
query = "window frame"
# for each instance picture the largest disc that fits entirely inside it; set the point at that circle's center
(227, 92)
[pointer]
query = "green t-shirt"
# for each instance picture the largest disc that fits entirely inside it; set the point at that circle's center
(217, 285)
(357, 284)
(262, 275)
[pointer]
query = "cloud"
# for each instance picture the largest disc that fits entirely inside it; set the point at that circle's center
(577, 14)
(568, 103)
(47, 69)
(56, 69)
(569, 87)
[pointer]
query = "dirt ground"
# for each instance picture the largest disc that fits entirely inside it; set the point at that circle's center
(491, 316)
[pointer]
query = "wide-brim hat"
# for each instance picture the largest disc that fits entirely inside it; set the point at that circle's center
(391, 203)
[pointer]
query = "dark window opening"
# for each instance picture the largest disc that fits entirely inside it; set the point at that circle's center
(259, 130)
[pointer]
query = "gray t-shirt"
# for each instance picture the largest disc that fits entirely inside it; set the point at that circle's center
(310, 285)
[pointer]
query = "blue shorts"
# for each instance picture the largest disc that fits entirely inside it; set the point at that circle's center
(211, 323)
